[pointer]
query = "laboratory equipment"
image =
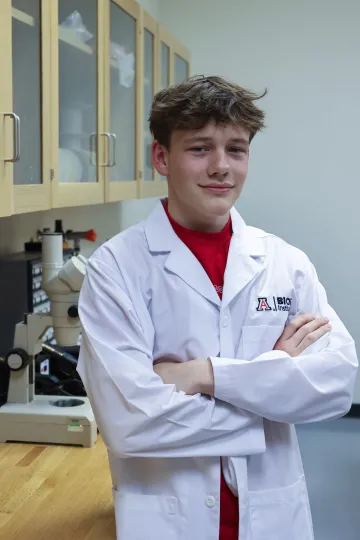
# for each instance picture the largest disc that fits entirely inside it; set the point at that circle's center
(21, 292)
(28, 417)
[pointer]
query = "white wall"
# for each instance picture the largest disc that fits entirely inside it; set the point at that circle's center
(151, 6)
(304, 181)
(106, 219)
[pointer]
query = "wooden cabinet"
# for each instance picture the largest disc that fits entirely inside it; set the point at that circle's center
(78, 80)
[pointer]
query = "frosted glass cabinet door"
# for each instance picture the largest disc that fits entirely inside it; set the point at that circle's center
(181, 69)
(30, 94)
(151, 184)
(166, 74)
(123, 93)
(164, 71)
(78, 111)
(26, 80)
(165, 65)
(149, 90)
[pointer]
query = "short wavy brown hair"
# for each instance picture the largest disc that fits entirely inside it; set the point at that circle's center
(193, 103)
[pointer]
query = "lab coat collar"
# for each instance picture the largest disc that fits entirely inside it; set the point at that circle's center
(248, 239)
(245, 259)
(160, 235)
(162, 238)
(246, 244)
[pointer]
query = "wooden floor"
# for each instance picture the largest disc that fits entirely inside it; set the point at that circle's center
(55, 493)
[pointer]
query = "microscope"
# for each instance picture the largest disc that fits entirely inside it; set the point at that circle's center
(27, 417)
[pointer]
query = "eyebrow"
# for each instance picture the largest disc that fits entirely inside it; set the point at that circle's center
(235, 140)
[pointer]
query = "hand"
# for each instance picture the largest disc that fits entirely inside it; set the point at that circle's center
(193, 377)
(301, 332)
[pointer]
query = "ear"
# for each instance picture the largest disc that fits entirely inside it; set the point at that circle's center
(160, 158)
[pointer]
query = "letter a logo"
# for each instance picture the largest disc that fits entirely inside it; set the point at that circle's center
(263, 305)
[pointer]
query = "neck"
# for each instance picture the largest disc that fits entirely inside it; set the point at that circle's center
(196, 222)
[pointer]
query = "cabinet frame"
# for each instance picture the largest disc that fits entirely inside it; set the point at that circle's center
(6, 106)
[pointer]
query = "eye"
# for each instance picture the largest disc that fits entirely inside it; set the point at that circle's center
(237, 150)
(198, 149)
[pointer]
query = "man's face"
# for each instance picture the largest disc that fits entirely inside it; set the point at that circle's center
(206, 170)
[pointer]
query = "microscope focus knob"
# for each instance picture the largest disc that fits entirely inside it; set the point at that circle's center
(17, 359)
(73, 312)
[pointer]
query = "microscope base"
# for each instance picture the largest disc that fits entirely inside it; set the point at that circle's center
(42, 421)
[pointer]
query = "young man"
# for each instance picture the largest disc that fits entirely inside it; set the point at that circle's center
(205, 341)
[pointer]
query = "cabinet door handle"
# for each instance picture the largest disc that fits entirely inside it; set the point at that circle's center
(112, 162)
(16, 139)
(110, 137)
(93, 148)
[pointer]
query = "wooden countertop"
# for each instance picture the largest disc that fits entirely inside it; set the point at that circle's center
(55, 493)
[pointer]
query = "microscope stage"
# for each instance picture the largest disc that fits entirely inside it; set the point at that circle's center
(50, 420)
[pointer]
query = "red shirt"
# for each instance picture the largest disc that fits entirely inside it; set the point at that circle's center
(211, 250)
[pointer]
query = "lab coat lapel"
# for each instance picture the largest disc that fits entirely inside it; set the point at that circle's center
(183, 263)
(162, 238)
(245, 259)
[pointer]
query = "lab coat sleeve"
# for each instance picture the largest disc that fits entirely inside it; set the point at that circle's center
(315, 386)
(137, 414)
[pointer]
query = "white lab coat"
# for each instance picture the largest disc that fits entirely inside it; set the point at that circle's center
(146, 295)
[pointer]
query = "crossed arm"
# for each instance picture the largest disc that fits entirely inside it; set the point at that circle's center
(197, 376)
(140, 412)
(308, 377)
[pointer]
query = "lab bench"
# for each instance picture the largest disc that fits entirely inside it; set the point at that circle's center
(55, 493)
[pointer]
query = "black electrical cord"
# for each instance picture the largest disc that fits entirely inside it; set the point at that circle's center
(59, 354)
(65, 381)
(61, 391)
(65, 359)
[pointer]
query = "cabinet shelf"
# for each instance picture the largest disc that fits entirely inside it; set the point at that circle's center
(67, 36)
(22, 17)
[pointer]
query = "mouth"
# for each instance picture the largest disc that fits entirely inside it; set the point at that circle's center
(218, 188)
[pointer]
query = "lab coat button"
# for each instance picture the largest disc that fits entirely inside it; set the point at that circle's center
(225, 321)
(210, 501)
(172, 505)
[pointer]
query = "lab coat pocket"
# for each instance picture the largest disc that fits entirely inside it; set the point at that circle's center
(259, 339)
(281, 514)
(140, 516)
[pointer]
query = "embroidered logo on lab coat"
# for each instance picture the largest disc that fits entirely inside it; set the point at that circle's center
(278, 303)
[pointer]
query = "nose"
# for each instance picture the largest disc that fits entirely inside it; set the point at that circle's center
(218, 165)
